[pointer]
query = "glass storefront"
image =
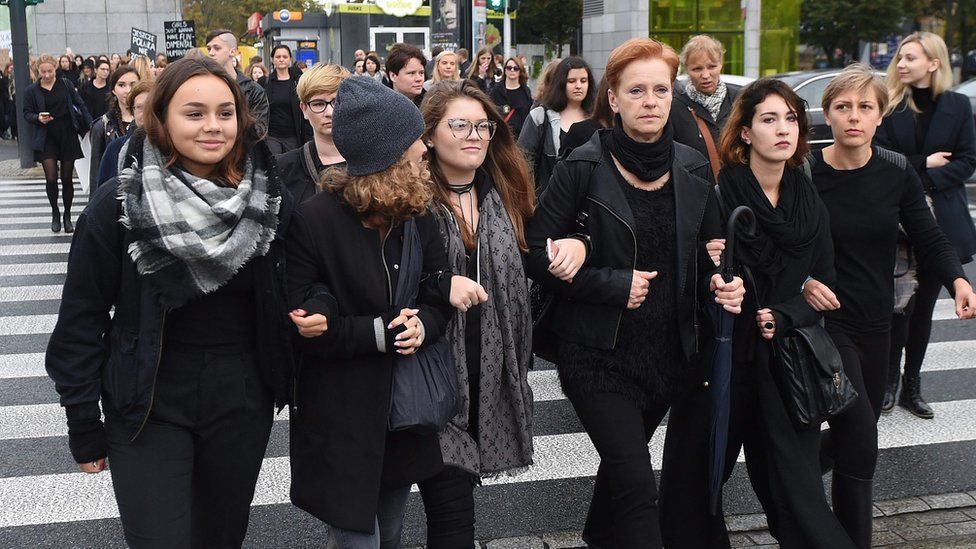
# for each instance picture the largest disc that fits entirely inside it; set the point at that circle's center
(674, 21)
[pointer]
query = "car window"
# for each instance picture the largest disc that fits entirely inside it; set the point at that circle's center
(812, 91)
(969, 88)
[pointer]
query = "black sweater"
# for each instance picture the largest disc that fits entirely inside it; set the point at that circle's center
(866, 205)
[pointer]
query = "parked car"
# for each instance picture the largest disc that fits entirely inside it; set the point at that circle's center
(734, 81)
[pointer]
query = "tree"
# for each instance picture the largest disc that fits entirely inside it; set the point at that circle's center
(841, 24)
(233, 14)
(552, 22)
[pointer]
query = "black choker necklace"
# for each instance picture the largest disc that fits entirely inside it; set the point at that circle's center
(461, 189)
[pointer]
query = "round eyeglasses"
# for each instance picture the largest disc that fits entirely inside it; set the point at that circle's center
(461, 128)
(319, 105)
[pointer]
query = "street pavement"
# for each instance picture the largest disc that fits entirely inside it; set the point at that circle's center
(46, 502)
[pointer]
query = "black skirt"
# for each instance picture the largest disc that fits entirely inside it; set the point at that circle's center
(61, 142)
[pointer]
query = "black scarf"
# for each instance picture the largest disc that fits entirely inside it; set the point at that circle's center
(785, 232)
(648, 161)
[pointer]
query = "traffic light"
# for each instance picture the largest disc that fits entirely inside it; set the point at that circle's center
(496, 5)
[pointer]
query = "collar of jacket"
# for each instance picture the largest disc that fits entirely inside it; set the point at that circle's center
(690, 195)
(903, 119)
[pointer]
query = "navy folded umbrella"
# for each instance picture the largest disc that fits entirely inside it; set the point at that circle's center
(721, 378)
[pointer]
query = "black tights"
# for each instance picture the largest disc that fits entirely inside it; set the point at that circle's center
(912, 329)
(50, 166)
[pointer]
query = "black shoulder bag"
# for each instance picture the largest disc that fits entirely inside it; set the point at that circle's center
(424, 394)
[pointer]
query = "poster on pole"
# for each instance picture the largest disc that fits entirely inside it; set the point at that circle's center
(445, 24)
(479, 23)
(180, 37)
(143, 43)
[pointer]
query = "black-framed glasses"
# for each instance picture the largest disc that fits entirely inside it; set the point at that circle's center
(319, 105)
(513, 68)
(461, 128)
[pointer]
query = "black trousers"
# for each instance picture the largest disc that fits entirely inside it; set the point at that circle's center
(623, 511)
(911, 330)
(189, 477)
(449, 505)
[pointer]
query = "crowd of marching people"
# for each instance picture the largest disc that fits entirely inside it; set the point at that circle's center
(386, 249)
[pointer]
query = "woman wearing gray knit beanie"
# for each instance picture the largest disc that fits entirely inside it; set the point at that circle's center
(344, 270)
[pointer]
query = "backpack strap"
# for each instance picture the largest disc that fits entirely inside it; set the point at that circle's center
(893, 157)
(309, 161)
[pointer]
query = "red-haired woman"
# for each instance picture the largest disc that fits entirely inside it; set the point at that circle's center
(186, 246)
(629, 321)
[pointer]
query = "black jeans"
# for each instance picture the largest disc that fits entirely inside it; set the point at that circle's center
(911, 331)
(449, 505)
(623, 511)
(188, 479)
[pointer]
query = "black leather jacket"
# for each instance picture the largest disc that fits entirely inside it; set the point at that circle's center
(589, 309)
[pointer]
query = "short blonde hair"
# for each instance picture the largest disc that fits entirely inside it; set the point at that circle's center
(857, 77)
(702, 43)
(321, 78)
(934, 48)
(46, 59)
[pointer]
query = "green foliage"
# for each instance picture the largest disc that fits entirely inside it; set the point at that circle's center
(551, 22)
(233, 14)
(833, 24)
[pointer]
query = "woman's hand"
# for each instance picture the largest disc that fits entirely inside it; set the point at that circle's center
(44, 118)
(483, 70)
(568, 256)
(638, 288)
(715, 247)
(767, 323)
(819, 296)
(92, 467)
(409, 340)
(309, 325)
(937, 159)
(729, 294)
(466, 293)
(965, 299)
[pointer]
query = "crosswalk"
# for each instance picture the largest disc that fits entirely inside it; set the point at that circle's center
(46, 502)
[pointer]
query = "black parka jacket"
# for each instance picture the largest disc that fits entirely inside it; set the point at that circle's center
(589, 309)
(97, 355)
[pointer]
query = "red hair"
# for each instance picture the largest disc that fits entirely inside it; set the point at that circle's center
(637, 49)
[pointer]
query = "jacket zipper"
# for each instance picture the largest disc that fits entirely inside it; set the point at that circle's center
(620, 315)
(152, 388)
(386, 269)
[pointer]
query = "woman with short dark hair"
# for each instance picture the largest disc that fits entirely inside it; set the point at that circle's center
(173, 317)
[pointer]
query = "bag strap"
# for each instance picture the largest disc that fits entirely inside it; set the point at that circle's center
(713, 159)
(411, 266)
(308, 161)
(541, 146)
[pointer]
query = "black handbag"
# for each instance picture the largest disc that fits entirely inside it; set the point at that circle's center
(424, 395)
(810, 373)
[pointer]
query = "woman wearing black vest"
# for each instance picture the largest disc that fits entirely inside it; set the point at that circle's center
(287, 128)
(173, 317)
(933, 127)
(628, 321)
(58, 113)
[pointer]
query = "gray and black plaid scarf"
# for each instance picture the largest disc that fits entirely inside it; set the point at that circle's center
(504, 419)
(189, 236)
(712, 103)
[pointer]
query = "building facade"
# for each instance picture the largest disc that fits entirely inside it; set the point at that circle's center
(97, 26)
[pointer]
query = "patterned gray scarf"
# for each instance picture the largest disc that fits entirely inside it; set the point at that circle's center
(189, 235)
(713, 103)
(505, 415)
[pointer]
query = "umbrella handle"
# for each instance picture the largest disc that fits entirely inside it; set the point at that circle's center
(747, 216)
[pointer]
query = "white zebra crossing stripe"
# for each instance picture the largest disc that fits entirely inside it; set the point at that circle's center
(21, 269)
(73, 497)
(29, 293)
(34, 249)
(27, 324)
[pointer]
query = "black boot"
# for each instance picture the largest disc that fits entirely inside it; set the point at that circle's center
(889, 397)
(911, 398)
(56, 221)
(68, 227)
(853, 506)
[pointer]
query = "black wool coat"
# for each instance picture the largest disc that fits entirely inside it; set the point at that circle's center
(341, 452)
(34, 105)
(686, 129)
(951, 130)
(584, 185)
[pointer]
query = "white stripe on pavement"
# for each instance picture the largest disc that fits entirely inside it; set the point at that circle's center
(27, 324)
(14, 234)
(73, 497)
(29, 293)
(35, 199)
(22, 365)
(28, 209)
(21, 269)
(35, 249)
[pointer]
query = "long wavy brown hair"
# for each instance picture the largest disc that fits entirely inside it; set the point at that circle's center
(504, 163)
(396, 193)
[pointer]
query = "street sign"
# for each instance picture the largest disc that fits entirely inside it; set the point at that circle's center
(180, 38)
(143, 42)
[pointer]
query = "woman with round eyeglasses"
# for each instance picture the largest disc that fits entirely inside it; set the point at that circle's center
(301, 169)
(483, 199)
(513, 96)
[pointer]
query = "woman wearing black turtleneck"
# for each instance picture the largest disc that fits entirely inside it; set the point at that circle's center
(933, 128)
(628, 322)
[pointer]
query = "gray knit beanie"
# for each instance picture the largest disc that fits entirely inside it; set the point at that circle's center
(373, 125)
